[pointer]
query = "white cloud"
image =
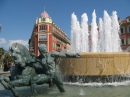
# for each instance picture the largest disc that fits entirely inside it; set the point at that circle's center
(6, 43)
(24, 42)
(3, 41)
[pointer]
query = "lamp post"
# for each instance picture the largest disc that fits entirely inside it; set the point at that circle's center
(0, 56)
(0, 27)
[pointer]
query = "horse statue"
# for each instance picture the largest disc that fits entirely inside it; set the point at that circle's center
(23, 71)
(31, 70)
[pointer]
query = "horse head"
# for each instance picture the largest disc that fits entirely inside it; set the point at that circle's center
(20, 54)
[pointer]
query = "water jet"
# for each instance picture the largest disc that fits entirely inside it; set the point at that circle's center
(102, 59)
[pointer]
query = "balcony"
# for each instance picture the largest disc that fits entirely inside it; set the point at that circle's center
(57, 35)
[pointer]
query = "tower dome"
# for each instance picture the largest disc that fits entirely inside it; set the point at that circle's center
(44, 14)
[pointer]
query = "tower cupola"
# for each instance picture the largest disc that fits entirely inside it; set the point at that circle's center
(44, 17)
(44, 14)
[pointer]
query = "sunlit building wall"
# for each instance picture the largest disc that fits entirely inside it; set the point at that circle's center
(45, 31)
(125, 33)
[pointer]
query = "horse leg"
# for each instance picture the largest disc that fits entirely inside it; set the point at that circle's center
(4, 84)
(59, 85)
(59, 82)
(33, 88)
(15, 93)
(9, 87)
(38, 79)
(18, 83)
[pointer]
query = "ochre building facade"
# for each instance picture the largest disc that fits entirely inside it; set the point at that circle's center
(46, 32)
(125, 33)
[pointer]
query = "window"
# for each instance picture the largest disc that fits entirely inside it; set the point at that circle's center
(43, 19)
(43, 37)
(58, 45)
(128, 28)
(43, 27)
(123, 41)
(54, 38)
(129, 40)
(53, 29)
(53, 45)
(122, 30)
(43, 42)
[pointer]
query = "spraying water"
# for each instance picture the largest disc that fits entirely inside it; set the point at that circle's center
(94, 33)
(75, 34)
(107, 32)
(102, 38)
(84, 33)
(115, 30)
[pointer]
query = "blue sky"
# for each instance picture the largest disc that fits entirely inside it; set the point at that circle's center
(18, 16)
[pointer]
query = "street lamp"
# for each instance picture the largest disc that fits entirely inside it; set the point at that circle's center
(0, 27)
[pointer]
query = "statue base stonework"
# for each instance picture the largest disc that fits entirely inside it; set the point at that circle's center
(97, 64)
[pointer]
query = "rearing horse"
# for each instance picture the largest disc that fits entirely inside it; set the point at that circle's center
(23, 71)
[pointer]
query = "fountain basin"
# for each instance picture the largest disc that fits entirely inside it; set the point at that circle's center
(97, 64)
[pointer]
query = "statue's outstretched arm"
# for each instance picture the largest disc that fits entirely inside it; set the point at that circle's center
(58, 54)
(72, 55)
(66, 54)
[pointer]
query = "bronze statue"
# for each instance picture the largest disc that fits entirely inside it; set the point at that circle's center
(52, 73)
(31, 70)
(22, 73)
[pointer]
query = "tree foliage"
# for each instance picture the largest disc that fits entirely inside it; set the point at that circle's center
(1, 54)
(1, 51)
(5, 56)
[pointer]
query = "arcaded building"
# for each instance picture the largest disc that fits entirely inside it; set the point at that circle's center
(45, 31)
(125, 33)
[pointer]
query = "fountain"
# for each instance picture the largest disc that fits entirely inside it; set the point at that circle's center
(100, 65)
(101, 57)
(99, 38)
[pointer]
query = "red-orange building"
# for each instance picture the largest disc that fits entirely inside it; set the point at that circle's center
(125, 33)
(45, 31)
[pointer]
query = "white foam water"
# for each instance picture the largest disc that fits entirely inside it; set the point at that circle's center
(98, 84)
